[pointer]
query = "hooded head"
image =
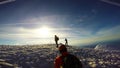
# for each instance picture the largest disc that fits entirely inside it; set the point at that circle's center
(62, 48)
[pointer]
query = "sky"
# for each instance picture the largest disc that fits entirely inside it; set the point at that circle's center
(80, 21)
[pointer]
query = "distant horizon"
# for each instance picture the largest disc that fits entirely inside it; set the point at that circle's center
(115, 42)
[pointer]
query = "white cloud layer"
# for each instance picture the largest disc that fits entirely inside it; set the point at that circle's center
(76, 35)
(111, 2)
(104, 34)
(6, 1)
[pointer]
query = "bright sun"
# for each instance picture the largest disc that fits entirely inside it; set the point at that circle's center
(43, 32)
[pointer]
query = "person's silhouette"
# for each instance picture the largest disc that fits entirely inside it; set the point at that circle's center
(66, 42)
(56, 40)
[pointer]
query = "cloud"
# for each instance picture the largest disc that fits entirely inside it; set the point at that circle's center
(109, 31)
(111, 2)
(104, 34)
(29, 36)
(13, 31)
(6, 1)
(75, 35)
(28, 26)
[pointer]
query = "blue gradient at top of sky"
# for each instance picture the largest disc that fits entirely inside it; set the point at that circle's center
(81, 21)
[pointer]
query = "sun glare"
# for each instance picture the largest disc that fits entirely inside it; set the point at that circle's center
(43, 32)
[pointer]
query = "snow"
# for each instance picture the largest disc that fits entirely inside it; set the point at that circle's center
(42, 56)
(107, 47)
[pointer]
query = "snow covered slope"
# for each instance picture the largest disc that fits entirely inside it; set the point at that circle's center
(42, 56)
(107, 47)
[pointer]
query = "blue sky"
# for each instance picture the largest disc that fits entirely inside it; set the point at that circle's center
(80, 21)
